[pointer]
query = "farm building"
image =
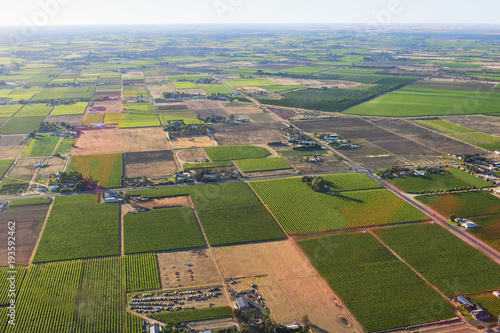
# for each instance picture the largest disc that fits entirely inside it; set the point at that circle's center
(496, 294)
(242, 304)
(467, 224)
(112, 200)
(464, 301)
(480, 314)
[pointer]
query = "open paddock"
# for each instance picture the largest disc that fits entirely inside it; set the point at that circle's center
(283, 112)
(111, 106)
(205, 108)
(488, 125)
(69, 119)
(200, 262)
(197, 141)
(241, 108)
(179, 201)
(192, 156)
(327, 163)
(149, 163)
(171, 106)
(10, 145)
(282, 274)
(121, 140)
(247, 134)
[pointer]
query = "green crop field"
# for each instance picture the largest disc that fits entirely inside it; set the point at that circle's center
(445, 126)
(363, 273)
(189, 166)
(79, 296)
(34, 110)
(77, 108)
(229, 213)
(262, 164)
(236, 83)
(479, 139)
(185, 85)
(42, 145)
(65, 146)
(465, 176)
(133, 323)
(228, 153)
(50, 94)
(438, 183)
(442, 258)
(141, 272)
(132, 119)
(18, 125)
(300, 210)
(8, 110)
(4, 166)
(279, 89)
(161, 230)
(105, 168)
(193, 315)
(308, 152)
(13, 186)
(79, 227)
(421, 101)
(5, 284)
(188, 77)
(216, 89)
(468, 204)
(93, 118)
(489, 231)
(489, 302)
(29, 201)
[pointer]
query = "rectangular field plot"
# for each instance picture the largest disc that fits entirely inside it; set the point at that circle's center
(421, 184)
(21, 125)
(34, 110)
(262, 164)
(105, 168)
(229, 153)
(300, 210)
(249, 83)
(216, 89)
(442, 258)
(150, 164)
(161, 230)
(79, 227)
(489, 231)
(141, 272)
(54, 295)
(42, 145)
(489, 302)
(8, 110)
(4, 166)
(467, 177)
(363, 272)
(132, 119)
(467, 204)
(185, 85)
(229, 212)
(63, 110)
(416, 101)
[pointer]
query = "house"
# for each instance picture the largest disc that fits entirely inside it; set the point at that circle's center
(419, 173)
(480, 314)
(42, 188)
(467, 224)
(242, 304)
(54, 188)
(110, 195)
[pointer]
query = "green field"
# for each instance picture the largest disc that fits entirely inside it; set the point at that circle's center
(468, 204)
(363, 273)
(262, 164)
(300, 210)
(216, 89)
(415, 101)
(489, 231)
(465, 176)
(161, 230)
(188, 77)
(193, 315)
(8, 110)
(29, 201)
(77, 296)
(229, 213)
(236, 83)
(18, 125)
(189, 166)
(132, 119)
(185, 85)
(307, 152)
(79, 227)
(133, 323)
(445, 126)
(77, 108)
(429, 183)
(4, 166)
(13, 186)
(228, 153)
(105, 168)
(5, 284)
(278, 89)
(442, 258)
(65, 146)
(141, 272)
(42, 145)
(489, 302)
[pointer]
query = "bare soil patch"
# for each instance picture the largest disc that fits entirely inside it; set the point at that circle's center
(171, 106)
(29, 221)
(121, 140)
(10, 145)
(180, 201)
(191, 155)
(489, 125)
(149, 164)
(200, 262)
(283, 112)
(247, 134)
(287, 281)
(241, 108)
(206, 108)
(192, 141)
(111, 106)
(75, 119)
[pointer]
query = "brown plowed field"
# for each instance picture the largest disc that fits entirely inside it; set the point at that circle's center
(150, 163)
(247, 134)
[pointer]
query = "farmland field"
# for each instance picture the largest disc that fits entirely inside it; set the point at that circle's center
(105, 168)
(193, 315)
(161, 230)
(93, 118)
(415, 101)
(228, 153)
(359, 269)
(489, 302)
(34, 110)
(468, 204)
(64, 146)
(185, 85)
(17, 125)
(8, 110)
(262, 164)
(300, 210)
(29, 202)
(442, 258)
(67, 295)
(133, 323)
(465, 176)
(42, 145)
(279, 89)
(189, 166)
(13, 186)
(141, 272)
(249, 83)
(77, 108)
(4, 166)
(71, 234)
(308, 152)
(216, 89)
(489, 231)
(420, 184)
(132, 119)
(228, 212)
(445, 126)
(4, 283)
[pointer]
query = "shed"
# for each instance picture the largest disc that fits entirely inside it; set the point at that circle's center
(464, 301)
(496, 294)
(111, 200)
(242, 304)
(480, 314)
(154, 329)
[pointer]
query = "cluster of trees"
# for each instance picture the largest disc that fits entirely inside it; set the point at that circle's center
(214, 119)
(179, 129)
(317, 184)
(66, 178)
(267, 326)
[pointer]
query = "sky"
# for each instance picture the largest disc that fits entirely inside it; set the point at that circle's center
(132, 12)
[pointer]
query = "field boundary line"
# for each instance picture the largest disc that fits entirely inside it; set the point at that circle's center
(30, 261)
